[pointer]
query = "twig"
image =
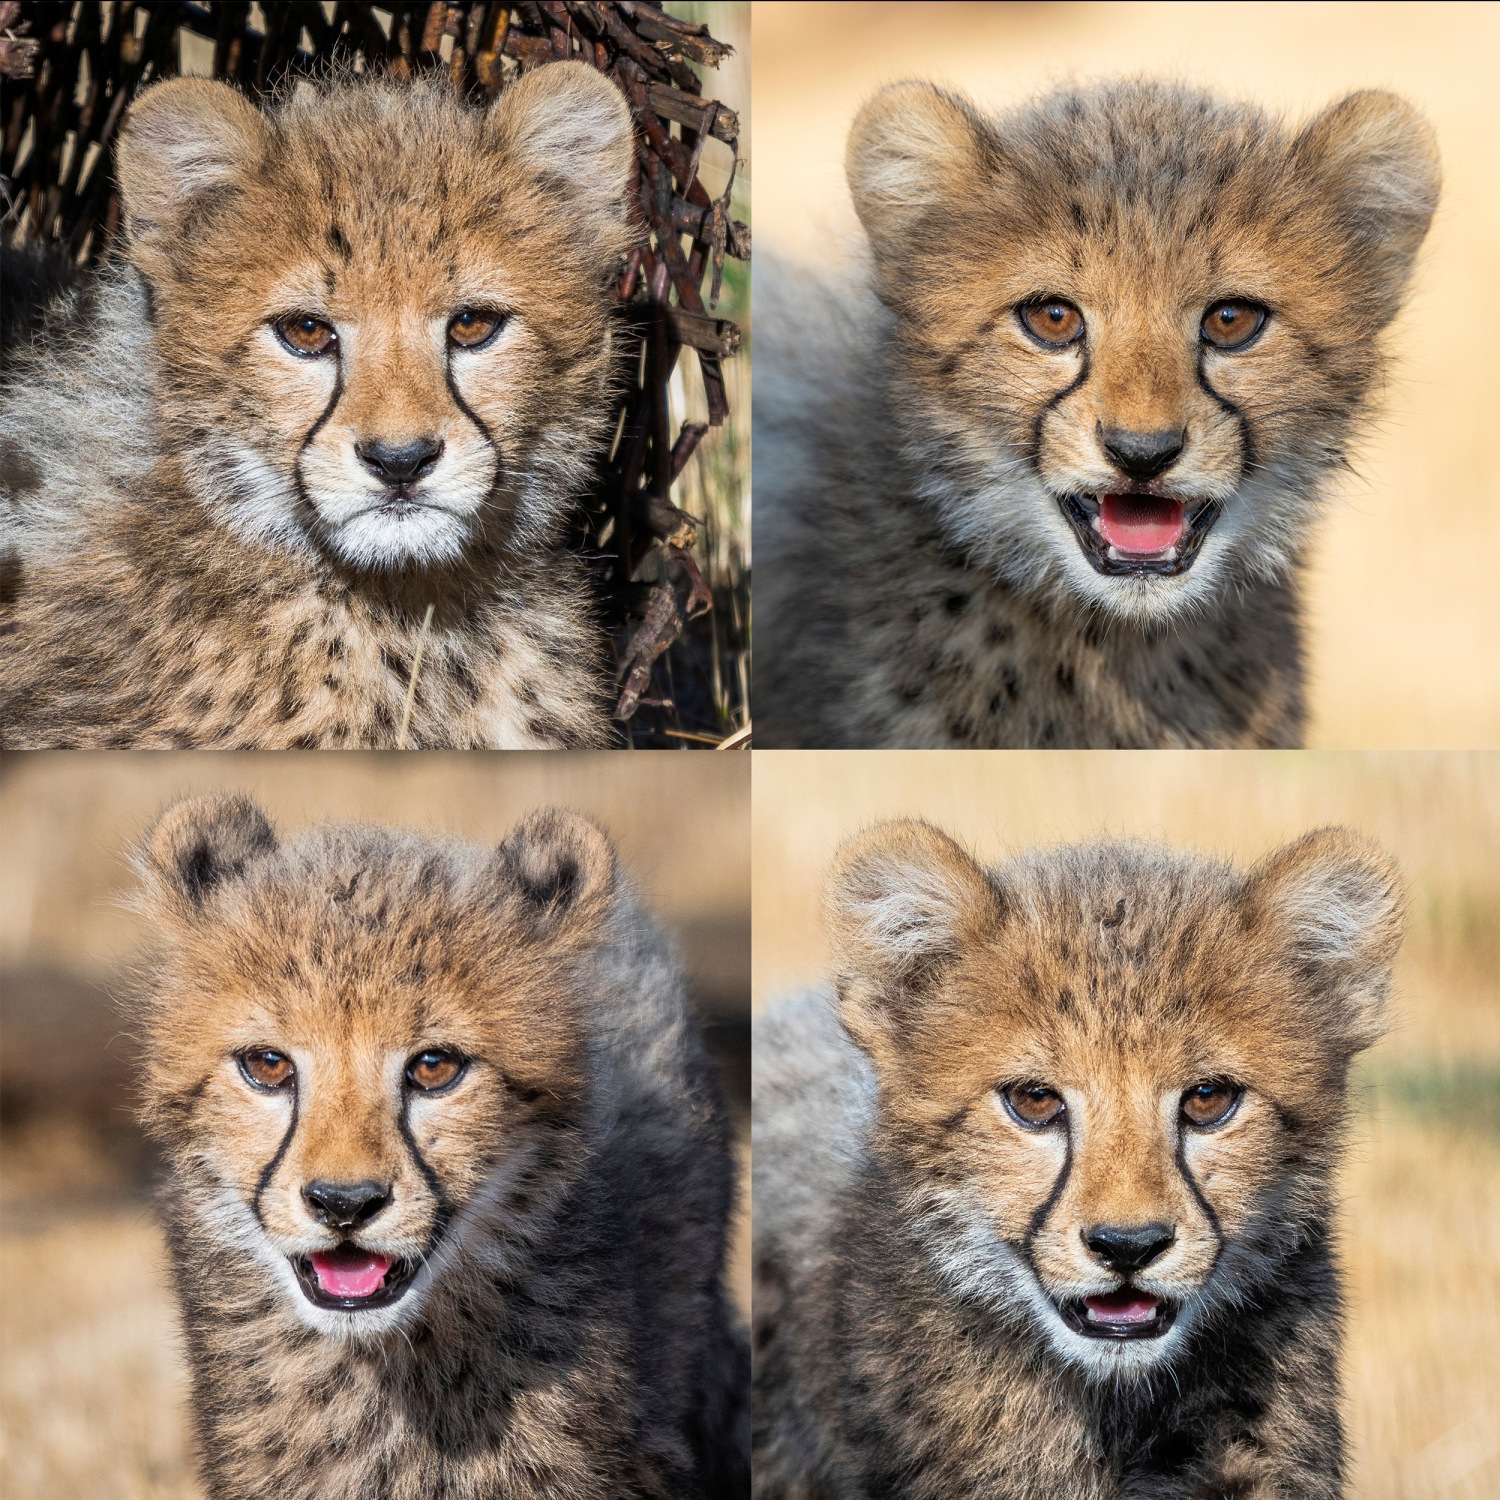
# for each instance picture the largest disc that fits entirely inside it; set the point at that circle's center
(411, 682)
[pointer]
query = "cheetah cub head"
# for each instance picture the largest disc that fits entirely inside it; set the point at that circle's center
(380, 313)
(1111, 1079)
(365, 1054)
(1134, 325)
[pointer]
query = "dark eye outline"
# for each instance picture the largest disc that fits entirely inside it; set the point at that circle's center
(447, 1054)
(1262, 317)
(1030, 1086)
(501, 319)
(279, 326)
(1235, 1091)
(242, 1058)
(1022, 308)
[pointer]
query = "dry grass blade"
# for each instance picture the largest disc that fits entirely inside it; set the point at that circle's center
(411, 685)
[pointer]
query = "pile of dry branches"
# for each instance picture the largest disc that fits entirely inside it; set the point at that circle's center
(82, 63)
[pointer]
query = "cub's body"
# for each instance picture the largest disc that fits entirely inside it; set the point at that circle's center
(558, 1214)
(972, 533)
(354, 368)
(921, 1260)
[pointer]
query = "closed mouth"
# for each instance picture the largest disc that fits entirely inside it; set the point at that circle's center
(349, 1278)
(1131, 534)
(1128, 1313)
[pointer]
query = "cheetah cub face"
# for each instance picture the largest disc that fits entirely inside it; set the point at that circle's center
(364, 1045)
(1135, 325)
(380, 313)
(1114, 1079)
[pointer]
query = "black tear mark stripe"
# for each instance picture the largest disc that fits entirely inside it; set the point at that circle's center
(463, 405)
(1047, 407)
(1250, 459)
(269, 1170)
(313, 431)
(403, 1122)
(1033, 1227)
(1197, 1192)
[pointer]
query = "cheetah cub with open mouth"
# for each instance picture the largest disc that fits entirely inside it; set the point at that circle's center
(447, 1173)
(1043, 1197)
(1054, 483)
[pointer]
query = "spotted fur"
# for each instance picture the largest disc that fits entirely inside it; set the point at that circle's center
(919, 581)
(197, 554)
(916, 1246)
(566, 1333)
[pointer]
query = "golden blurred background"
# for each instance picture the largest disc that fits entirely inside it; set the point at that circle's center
(1404, 612)
(92, 1381)
(1421, 1190)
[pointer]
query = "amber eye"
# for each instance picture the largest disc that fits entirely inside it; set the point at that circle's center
(306, 335)
(1208, 1104)
(267, 1069)
(434, 1070)
(1231, 325)
(1053, 321)
(474, 326)
(1033, 1105)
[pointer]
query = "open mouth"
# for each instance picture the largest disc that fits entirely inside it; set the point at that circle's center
(1134, 535)
(1128, 1313)
(349, 1278)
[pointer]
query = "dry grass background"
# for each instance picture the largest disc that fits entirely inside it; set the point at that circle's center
(1404, 610)
(1421, 1192)
(91, 1383)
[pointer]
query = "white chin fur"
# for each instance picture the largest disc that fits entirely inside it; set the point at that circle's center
(384, 537)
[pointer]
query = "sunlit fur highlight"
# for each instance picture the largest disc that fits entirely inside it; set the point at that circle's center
(914, 1243)
(918, 582)
(566, 1202)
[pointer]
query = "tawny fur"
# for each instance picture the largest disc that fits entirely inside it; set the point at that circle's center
(567, 1200)
(918, 583)
(914, 1243)
(195, 553)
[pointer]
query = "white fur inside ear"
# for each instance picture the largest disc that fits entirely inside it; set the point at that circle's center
(1334, 913)
(184, 138)
(568, 122)
(907, 912)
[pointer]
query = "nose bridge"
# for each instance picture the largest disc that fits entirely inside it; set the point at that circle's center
(347, 1130)
(1124, 1171)
(395, 379)
(1140, 372)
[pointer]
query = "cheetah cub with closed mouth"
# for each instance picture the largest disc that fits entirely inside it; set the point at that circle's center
(355, 367)
(447, 1173)
(1043, 1197)
(1051, 479)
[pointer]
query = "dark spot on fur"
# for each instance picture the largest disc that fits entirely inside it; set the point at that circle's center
(1118, 917)
(338, 244)
(1065, 678)
(956, 604)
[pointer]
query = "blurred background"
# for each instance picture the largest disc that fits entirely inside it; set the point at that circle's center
(92, 1382)
(1404, 612)
(1421, 1189)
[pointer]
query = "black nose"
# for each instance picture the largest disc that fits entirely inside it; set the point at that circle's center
(343, 1205)
(1143, 455)
(1128, 1250)
(400, 463)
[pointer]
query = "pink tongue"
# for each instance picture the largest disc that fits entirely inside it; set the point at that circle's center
(348, 1272)
(1140, 525)
(1122, 1307)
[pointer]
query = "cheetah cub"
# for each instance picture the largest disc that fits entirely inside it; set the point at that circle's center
(447, 1173)
(1042, 1199)
(1052, 478)
(355, 367)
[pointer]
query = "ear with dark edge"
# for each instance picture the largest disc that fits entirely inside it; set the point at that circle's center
(1377, 159)
(566, 125)
(914, 151)
(1335, 906)
(561, 868)
(903, 902)
(201, 844)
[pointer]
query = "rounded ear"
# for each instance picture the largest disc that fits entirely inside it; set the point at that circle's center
(903, 902)
(561, 868)
(1334, 904)
(201, 844)
(184, 140)
(913, 149)
(1377, 161)
(568, 128)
